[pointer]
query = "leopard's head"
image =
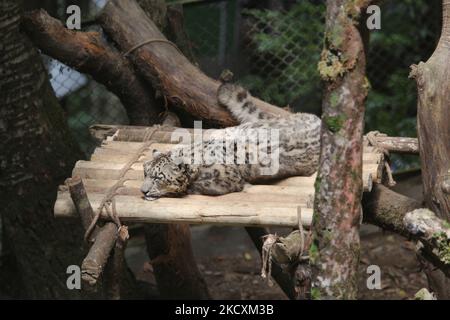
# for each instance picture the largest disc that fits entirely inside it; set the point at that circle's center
(163, 177)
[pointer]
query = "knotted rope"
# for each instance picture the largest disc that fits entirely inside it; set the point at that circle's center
(108, 202)
(266, 270)
(372, 139)
(270, 240)
(151, 41)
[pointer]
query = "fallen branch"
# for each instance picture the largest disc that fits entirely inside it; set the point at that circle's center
(88, 53)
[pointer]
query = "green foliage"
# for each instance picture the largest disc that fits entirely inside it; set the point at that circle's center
(289, 45)
(315, 294)
(409, 33)
(443, 247)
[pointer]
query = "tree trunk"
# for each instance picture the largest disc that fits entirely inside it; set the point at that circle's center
(334, 253)
(433, 116)
(34, 161)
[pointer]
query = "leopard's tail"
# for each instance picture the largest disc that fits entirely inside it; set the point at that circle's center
(239, 102)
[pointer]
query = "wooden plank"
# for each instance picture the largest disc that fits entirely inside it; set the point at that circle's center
(185, 210)
(251, 193)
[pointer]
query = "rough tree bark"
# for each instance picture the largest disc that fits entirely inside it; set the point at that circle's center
(334, 253)
(34, 161)
(433, 116)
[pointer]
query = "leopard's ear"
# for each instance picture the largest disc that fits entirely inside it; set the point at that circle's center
(156, 153)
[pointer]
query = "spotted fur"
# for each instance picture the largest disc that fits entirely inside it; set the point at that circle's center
(298, 148)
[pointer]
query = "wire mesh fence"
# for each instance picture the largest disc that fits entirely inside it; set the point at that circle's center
(274, 53)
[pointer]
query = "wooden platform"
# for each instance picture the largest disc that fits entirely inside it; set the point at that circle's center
(276, 204)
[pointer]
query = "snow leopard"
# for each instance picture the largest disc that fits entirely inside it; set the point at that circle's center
(296, 144)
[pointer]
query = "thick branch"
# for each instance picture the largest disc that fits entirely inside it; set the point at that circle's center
(182, 83)
(402, 215)
(386, 208)
(88, 53)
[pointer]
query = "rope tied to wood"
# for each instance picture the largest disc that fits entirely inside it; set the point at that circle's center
(151, 41)
(372, 139)
(271, 240)
(108, 202)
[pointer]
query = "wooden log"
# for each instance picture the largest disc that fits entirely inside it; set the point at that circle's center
(103, 132)
(115, 267)
(300, 195)
(104, 237)
(80, 200)
(136, 134)
(399, 144)
(121, 152)
(97, 257)
(167, 210)
(182, 83)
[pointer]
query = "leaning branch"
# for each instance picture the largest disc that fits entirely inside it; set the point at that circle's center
(88, 53)
(162, 64)
(104, 238)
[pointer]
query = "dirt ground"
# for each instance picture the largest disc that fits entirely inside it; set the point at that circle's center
(231, 265)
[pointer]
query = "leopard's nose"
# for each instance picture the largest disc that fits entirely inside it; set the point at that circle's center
(145, 188)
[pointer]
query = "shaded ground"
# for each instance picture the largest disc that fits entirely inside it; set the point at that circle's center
(231, 265)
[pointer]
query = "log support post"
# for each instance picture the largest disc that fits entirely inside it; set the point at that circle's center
(104, 241)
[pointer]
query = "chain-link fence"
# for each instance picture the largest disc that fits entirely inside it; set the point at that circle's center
(274, 53)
